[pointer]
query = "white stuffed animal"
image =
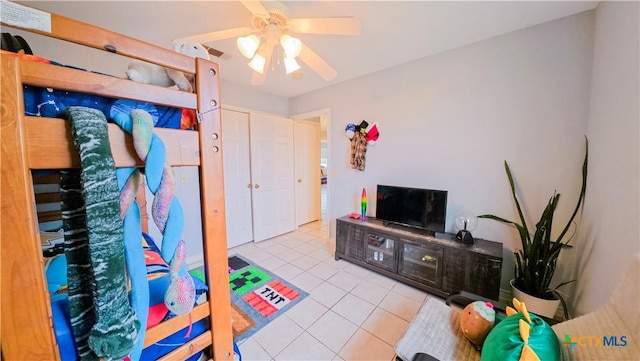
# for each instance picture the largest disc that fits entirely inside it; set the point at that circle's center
(148, 73)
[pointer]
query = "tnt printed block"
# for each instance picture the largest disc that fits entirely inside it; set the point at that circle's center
(271, 297)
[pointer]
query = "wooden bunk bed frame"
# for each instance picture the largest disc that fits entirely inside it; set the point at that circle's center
(30, 143)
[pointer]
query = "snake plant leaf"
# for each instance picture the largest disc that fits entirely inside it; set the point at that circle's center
(515, 198)
(536, 260)
(565, 309)
(523, 232)
(583, 190)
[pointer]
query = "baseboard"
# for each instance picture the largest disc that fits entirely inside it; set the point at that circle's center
(195, 261)
(505, 296)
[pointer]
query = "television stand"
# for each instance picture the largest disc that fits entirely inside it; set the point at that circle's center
(433, 262)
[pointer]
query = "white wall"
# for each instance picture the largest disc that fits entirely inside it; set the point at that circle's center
(250, 98)
(610, 223)
(450, 120)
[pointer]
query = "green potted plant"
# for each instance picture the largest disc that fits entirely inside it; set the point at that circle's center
(535, 262)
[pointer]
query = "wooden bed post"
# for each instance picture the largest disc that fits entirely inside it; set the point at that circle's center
(213, 211)
(24, 294)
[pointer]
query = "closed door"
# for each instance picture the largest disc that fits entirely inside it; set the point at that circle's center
(237, 177)
(272, 165)
(307, 171)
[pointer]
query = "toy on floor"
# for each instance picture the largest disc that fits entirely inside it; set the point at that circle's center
(521, 336)
(476, 320)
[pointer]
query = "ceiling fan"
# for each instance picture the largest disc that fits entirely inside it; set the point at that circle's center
(271, 26)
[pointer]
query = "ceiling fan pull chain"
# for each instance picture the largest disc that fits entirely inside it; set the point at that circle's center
(273, 68)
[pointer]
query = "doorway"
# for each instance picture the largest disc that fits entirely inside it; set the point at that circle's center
(307, 170)
(322, 117)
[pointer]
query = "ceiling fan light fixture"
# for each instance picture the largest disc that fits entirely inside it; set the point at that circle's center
(291, 65)
(248, 45)
(257, 63)
(292, 46)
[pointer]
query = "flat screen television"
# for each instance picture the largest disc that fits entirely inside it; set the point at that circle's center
(414, 207)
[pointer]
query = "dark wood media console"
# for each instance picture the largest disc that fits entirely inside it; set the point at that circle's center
(435, 263)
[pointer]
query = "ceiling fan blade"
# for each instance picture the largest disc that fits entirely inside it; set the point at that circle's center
(315, 62)
(257, 78)
(218, 35)
(256, 8)
(337, 26)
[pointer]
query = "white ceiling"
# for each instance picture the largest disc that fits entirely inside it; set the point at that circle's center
(393, 32)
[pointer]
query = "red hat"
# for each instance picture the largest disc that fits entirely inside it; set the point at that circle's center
(372, 133)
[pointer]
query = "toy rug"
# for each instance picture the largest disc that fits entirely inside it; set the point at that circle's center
(257, 296)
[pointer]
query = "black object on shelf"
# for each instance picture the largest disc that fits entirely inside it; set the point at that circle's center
(464, 236)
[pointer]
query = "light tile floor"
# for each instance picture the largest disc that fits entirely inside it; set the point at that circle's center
(351, 313)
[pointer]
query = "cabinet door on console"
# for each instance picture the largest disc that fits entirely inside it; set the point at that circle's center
(454, 270)
(472, 272)
(421, 262)
(380, 250)
(350, 240)
(482, 275)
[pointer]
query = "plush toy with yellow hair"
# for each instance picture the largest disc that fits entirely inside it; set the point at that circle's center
(521, 336)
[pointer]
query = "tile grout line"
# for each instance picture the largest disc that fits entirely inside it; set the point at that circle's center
(322, 242)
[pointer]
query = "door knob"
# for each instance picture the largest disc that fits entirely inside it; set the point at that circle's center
(256, 186)
(299, 180)
(249, 185)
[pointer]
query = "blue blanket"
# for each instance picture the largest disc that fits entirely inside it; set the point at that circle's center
(47, 102)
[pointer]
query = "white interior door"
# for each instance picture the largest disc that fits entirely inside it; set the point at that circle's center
(272, 174)
(237, 177)
(307, 171)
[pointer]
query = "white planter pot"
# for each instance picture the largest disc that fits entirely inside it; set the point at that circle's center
(539, 306)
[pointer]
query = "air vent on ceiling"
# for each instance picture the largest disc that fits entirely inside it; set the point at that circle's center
(217, 53)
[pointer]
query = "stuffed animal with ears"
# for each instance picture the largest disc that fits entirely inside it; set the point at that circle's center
(148, 73)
